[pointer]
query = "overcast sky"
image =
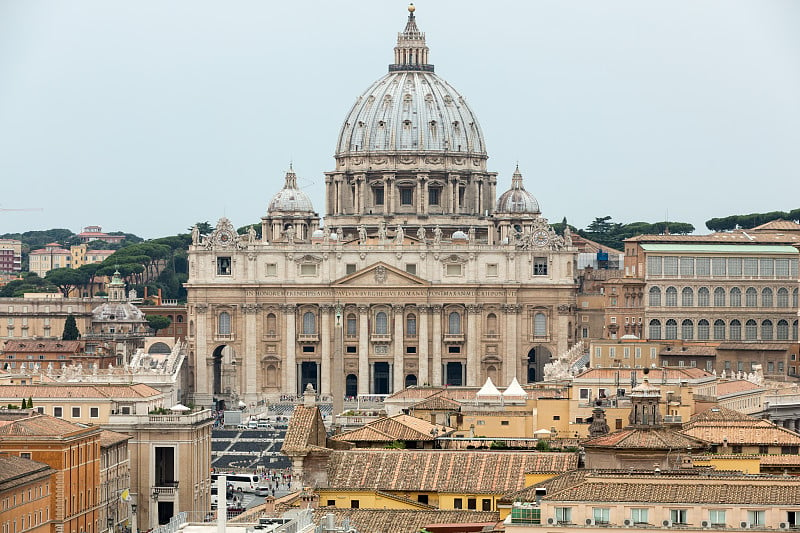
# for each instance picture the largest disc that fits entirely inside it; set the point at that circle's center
(146, 116)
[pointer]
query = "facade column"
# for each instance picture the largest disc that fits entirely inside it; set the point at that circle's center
(423, 346)
(436, 371)
(289, 360)
(325, 350)
(250, 352)
(510, 356)
(398, 374)
(473, 359)
(201, 355)
(363, 349)
(385, 195)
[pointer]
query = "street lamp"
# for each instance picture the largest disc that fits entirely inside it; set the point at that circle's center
(154, 495)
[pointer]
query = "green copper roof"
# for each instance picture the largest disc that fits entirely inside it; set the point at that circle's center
(722, 248)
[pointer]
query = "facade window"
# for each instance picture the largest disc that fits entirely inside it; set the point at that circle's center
(750, 330)
(458, 503)
(794, 297)
(381, 323)
(224, 323)
(655, 329)
(411, 268)
(76, 412)
(703, 330)
(639, 516)
(687, 330)
(670, 266)
(271, 270)
(654, 266)
(453, 270)
(539, 266)
(378, 195)
(766, 297)
(309, 323)
(719, 297)
(719, 330)
(783, 330)
(782, 268)
(454, 323)
(411, 325)
(539, 325)
(434, 195)
(736, 297)
(794, 330)
(58, 412)
(783, 297)
(272, 324)
(223, 266)
(491, 270)
(472, 503)
(564, 515)
(600, 515)
(655, 297)
(671, 330)
(717, 266)
(672, 297)
(351, 325)
(766, 267)
(637, 352)
(756, 518)
(766, 330)
(735, 267)
(94, 412)
(349, 268)
(308, 270)
(687, 266)
(702, 267)
(491, 324)
(750, 266)
(717, 517)
(702, 297)
(687, 297)
(679, 516)
(406, 196)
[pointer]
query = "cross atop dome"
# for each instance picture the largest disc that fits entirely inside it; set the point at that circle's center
(411, 53)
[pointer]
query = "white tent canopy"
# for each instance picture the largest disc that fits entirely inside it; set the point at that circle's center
(179, 407)
(515, 390)
(488, 390)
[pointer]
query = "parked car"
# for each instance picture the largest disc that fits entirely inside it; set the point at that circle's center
(261, 490)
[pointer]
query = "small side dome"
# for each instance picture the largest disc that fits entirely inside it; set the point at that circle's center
(290, 199)
(459, 235)
(517, 199)
(318, 234)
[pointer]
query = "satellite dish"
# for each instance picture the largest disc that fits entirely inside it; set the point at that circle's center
(125, 495)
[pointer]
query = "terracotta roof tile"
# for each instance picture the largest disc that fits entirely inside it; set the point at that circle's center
(735, 237)
(655, 375)
(440, 470)
(39, 425)
(305, 429)
(437, 402)
(719, 424)
(110, 438)
(402, 520)
(78, 390)
(399, 427)
(731, 387)
(41, 346)
(653, 439)
(15, 471)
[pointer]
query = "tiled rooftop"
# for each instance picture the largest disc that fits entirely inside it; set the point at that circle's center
(41, 346)
(398, 427)
(39, 425)
(655, 375)
(732, 387)
(14, 471)
(305, 429)
(110, 438)
(653, 439)
(404, 521)
(78, 390)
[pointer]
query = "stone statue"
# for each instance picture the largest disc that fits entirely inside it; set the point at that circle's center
(437, 235)
(722, 376)
(326, 234)
(471, 234)
(399, 235)
(195, 235)
(567, 236)
(421, 234)
(289, 232)
(251, 233)
(382, 232)
(362, 234)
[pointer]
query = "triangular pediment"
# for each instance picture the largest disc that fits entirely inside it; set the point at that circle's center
(380, 274)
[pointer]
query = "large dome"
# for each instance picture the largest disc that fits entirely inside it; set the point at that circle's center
(290, 199)
(517, 199)
(411, 108)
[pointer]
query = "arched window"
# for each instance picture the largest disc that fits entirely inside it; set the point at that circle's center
(766, 297)
(751, 330)
(655, 329)
(687, 329)
(719, 330)
(794, 330)
(794, 298)
(454, 323)
(351, 325)
(272, 324)
(766, 330)
(671, 330)
(702, 297)
(687, 297)
(736, 297)
(703, 330)
(539, 325)
(309, 323)
(783, 297)
(783, 330)
(751, 297)
(179, 318)
(672, 297)
(224, 323)
(491, 324)
(381, 324)
(736, 330)
(719, 297)
(411, 325)
(655, 297)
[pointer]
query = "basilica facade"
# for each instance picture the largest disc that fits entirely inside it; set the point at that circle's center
(419, 274)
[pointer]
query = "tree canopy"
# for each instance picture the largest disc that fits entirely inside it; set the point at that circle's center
(752, 220)
(66, 279)
(157, 322)
(71, 332)
(612, 234)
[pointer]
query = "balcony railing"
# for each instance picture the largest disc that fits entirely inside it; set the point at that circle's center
(453, 338)
(380, 338)
(165, 488)
(308, 337)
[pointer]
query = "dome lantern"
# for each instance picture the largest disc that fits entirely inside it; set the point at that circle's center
(517, 199)
(411, 53)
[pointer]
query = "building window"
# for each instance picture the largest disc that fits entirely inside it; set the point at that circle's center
(539, 325)
(349, 268)
(756, 518)
(309, 323)
(453, 270)
(406, 196)
(308, 270)
(783, 330)
(600, 515)
(717, 517)
(736, 297)
(76, 412)
(678, 516)
(655, 329)
(564, 515)
(224, 323)
(719, 330)
(672, 297)
(378, 195)
(491, 270)
(411, 325)
(783, 297)
(639, 516)
(457, 503)
(434, 195)
(381, 324)
(687, 297)
(766, 297)
(702, 267)
(687, 330)
(472, 503)
(272, 324)
(351, 325)
(670, 266)
(486, 504)
(271, 270)
(58, 412)
(735, 332)
(750, 330)
(655, 297)
(94, 412)
(354, 504)
(719, 297)
(454, 323)
(223, 266)
(702, 297)
(702, 330)
(671, 330)
(422, 498)
(539, 266)
(751, 297)
(654, 266)
(411, 268)
(766, 330)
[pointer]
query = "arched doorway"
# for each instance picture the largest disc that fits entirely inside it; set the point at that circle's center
(308, 374)
(538, 356)
(411, 380)
(223, 369)
(351, 386)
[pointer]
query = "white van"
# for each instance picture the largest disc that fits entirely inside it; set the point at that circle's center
(252, 424)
